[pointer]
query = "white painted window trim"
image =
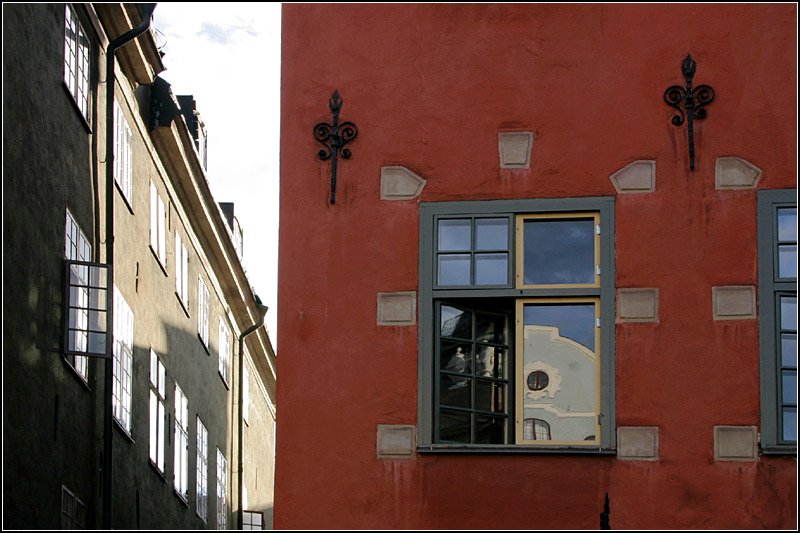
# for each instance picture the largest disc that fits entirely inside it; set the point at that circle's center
(224, 350)
(202, 311)
(222, 491)
(123, 166)
(157, 410)
(76, 60)
(181, 270)
(123, 360)
(202, 471)
(77, 248)
(181, 443)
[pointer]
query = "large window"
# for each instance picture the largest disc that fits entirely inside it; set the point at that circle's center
(123, 360)
(181, 465)
(224, 350)
(517, 325)
(222, 491)
(202, 470)
(181, 271)
(158, 417)
(777, 251)
(77, 248)
(158, 226)
(123, 166)
(202, 311)
(73, 510)
(76, 61)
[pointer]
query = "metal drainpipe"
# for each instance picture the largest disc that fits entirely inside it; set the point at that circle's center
(113, 46)
(263, 311)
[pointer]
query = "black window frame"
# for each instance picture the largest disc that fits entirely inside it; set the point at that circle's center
(770, 290)
(432, 295)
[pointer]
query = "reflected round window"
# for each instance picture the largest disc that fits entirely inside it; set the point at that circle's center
(538, 380)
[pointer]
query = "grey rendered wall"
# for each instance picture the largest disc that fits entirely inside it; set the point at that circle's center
(48, 429)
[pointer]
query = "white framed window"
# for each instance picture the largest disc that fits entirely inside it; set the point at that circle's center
(76, 61)
(181, 270)
(224, 350)
(252, 520)
(181, 466)
(73, 510)
(123, 360)
(222, 491)
(158, 225)
(202, 470)
(246, 394)
(77, 248)
(158, 414)
(202, 311)
(123, 174)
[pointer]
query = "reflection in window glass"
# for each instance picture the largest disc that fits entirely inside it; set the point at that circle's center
(491, 234)
(559, 252)
(787, 224)
(455, 235)
(789, 385)
(790, 424)
(491, 269)
(789, 349)
(454, 269)
(558, 340)
(456, 323)
(536, 429)
(787, 261)
(455, 426)
(788, 313)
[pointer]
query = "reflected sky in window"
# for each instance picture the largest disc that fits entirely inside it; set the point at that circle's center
(559, 252)
(787, 224)
(574, 321)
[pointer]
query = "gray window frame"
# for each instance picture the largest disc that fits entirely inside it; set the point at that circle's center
(770, 288)
(430, 294)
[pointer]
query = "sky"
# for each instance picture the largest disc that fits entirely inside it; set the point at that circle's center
(228, 57)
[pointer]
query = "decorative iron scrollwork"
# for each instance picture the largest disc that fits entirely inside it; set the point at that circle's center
(694, 101)
(333, 137)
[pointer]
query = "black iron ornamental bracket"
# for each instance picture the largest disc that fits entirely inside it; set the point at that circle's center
(333, 137)
(693, 99)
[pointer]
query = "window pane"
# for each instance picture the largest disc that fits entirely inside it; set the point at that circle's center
(456, 323)
(788, 313)
(491, 234)
(789, 385)
(491, 328)
(490, 396)
(789, 349)
(790, 424)
(455, 235)
(454, 426)
(491, 269)
(787, 261)
(454, 269)
(787, 224)
(490, 430)
(559, 369)
(559, 252)
(456, 391)
(456, 357)
(573, 321)
(490, 362)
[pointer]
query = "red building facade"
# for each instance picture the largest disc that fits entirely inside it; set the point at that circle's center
(524, 298)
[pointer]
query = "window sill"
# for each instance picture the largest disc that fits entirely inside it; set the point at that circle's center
(83, 381)
(513, 449)
(125, 432)
(183, 498)
(158, 260)
(778, 449)
(158, 472)
(180, 301)
(71, 98)
(224, 381)
(125, 199)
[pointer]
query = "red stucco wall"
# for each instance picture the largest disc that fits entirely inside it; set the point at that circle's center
(429, 87)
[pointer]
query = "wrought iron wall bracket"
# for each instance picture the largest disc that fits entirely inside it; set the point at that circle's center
(333, 137)
(694, 101)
